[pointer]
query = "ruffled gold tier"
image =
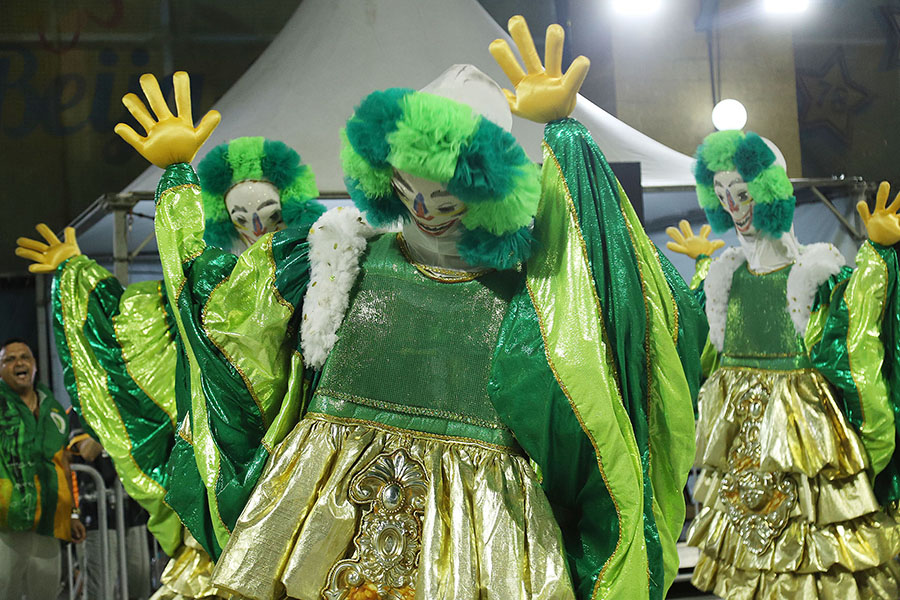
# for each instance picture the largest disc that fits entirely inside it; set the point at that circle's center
(789, 510)
(362, 510)
(188, 575)
(879, 583)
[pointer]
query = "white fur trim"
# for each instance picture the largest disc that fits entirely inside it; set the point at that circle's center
(718, 288)
(337, 240)
(817, 262)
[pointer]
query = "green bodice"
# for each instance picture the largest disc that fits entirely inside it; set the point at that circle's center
(415, 353)
(759, 332)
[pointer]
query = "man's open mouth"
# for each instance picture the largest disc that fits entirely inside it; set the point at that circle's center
(437, 230)
(21, 372)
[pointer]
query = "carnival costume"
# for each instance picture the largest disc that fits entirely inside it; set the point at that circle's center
(127, 372)
(518, 426)
(796, 429)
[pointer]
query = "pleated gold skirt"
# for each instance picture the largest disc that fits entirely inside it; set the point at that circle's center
(350, 510)
(789, 511)
(188, 575)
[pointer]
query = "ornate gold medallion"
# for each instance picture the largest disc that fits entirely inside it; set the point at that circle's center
(384, 564)
(759, 503)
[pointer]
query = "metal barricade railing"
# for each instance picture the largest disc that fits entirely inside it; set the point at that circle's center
(120, 535)
(103, 532)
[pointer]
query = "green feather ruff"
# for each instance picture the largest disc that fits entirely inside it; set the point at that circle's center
(478, 247)
(517, 209)
(774, 218)
(447, 142)
(752, 156)
(706, 196)
(718, 150)
(429, 135)
(719, 219)
(374, 119)
(767, 183)
(254, 158)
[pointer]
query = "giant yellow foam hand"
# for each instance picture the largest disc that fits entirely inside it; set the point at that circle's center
(543, 92)
(170, 138)
(883, 225)
(47, 256)
(685, 242)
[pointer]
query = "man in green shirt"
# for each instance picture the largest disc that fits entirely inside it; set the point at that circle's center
(35, 480)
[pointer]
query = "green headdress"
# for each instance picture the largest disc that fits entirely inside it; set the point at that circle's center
(255, 158)
(767, 182)
(445, 141)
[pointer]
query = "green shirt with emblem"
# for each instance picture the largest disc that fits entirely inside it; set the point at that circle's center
(34, 494)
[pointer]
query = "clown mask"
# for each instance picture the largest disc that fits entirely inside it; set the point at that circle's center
(434, 210)
(731, 189)
(255, 209)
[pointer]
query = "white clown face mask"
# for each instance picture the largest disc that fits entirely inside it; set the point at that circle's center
(255, 209)
(731, 189)
(435, 211)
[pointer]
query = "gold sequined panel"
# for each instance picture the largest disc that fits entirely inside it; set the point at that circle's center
(759, 503)
(392, 488)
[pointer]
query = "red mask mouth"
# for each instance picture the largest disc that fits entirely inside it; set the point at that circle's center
(435, 231)
(743, 226)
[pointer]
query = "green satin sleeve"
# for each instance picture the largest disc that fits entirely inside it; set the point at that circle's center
(866, 297)
(605, 408)
(117, 349)
(676, 330)
(852, 340)
(237, 317)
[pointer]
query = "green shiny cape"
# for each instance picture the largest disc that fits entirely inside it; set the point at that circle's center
(236, 316)
(118, 351)
(853, 338)
(594, 372)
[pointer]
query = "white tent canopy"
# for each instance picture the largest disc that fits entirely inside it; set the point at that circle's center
(332, 53)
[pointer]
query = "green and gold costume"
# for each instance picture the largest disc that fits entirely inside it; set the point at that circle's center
(128, 373)
(796, 437)
(524, 433)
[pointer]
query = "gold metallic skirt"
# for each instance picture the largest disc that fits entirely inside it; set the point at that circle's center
(188, 575)
(789, 510)
(349, 510)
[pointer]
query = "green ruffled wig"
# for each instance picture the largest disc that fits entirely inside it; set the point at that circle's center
(255, 158)
(447, 142)
(767, 183)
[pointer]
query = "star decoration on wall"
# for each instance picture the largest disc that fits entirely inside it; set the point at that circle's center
(892, 18)
(830, 98)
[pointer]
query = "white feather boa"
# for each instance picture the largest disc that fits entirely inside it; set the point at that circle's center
(337, 240)
(717, 287)
(816, 263)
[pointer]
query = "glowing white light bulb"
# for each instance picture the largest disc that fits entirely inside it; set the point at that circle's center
(786, 6)
(636, 7)
(729, 114)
